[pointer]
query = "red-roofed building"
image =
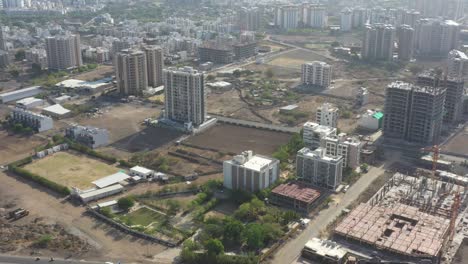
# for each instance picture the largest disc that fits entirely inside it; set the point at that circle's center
(297, 196)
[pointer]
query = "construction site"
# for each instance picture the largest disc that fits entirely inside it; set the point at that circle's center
(410, 217)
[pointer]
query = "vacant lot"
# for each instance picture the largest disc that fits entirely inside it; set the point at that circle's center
(71, 170)
(102, 71)
(458, 144)
(142, 216)
(296, 58)
(230, 138)
(147, 139)
(14, 147)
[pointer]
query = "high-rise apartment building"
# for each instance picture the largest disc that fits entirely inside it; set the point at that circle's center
(314, 16)
(131, 72)
(347, 147)
(4, 59)
(316, 73)
(155, 64)
(287, 17)
(250, 172)
(378, 42)
(436, 37)
(409, 17)
(2, 39)
(457, 64)
(63, 52)
(360, 17)
(249, 18)
(405, 35)
(346, 20)
(453, 106)
(319, 169)
(313, 134)
(327, 115)
(452, 9)
(413, 113)
(184, 96)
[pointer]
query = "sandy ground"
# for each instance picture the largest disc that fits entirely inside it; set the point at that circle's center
(14, 147)
(458, 143)
(102, 71)
(71, 170)
(229, 138)
(110, 244)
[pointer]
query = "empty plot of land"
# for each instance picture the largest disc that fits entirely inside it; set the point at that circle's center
(148, 139)
(71, 170)
(295, 59)
(458, 144)
(230, 138)
(13, 147)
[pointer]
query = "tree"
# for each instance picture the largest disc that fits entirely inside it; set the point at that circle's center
(125, 203)
(20, 55)
(173, 207)
(254, 236)
(335, 44)
(364, 167)
(232, 231)
(14, 72)
(237, 73)
(210, 78)
(269, 73)
(214, 247)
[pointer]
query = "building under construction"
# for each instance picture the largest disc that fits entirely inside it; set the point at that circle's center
(409, 216)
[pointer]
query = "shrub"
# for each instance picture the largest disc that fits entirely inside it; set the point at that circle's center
(126, 203)
(40, 180)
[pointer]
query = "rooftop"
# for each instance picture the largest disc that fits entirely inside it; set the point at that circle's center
(141, 170)
(57, 109)
(257, 162)
(318, 153)
(95, 192)
(74, 84)
(111, 179)
(326, 248)
(298, 191)
(319, 128)
(20, 91)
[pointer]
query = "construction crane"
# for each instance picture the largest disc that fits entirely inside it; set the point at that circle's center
(435, 158)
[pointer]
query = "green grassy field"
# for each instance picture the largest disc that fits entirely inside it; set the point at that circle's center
(142, 217)
(71, 170)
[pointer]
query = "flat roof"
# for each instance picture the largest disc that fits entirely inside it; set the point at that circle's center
(141, 170)
(57, 109)
(326, 248)
(28, 100)
(32, 88)
(289, 107)
(257, 162)
(297, 191)
(74, 83)
(100, 191)
(111, 179)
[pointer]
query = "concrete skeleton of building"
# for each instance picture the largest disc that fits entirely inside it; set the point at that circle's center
(457, 64)
(250, 172)
(185, 96)
(436, 37)
(30, 119)
(63, 52)
(92, 137)
(317, 73)
(413, 113)
(378, 42)
(319, 169)
(327, 115)
(453, 105)
(131, 71)
(296, 195)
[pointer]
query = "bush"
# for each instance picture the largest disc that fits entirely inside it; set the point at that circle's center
(127, 164)
(43, 241)
(126, 203)
(40, 180)
(21, 162)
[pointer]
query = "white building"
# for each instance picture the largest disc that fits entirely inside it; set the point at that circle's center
(346, 20)
(319, 169)
(141, 172)
(185, 96)
(57, 111)
(314, 15)
(250, 172)
(20, 94)
(287, 17)
(96, 194)
(29, 102)
(313, 134)
(36, 121)
(457, 64)
(346, 147)
(316, 73)
(327, 115)
(89, 136)
(371, 120)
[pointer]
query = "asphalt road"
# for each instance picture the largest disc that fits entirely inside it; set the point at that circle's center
(291, 251)
(4, 259)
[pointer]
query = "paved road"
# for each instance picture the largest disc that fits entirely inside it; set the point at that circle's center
(292, 249)
(5, 259)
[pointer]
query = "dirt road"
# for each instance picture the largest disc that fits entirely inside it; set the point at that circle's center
(110, 244)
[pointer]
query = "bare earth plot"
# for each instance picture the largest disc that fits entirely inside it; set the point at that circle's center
(295, 59)
(13, 147)
(71, 170)
(458, 144)
(230, 138)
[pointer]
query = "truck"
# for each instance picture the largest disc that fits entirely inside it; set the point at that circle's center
(17, 214)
